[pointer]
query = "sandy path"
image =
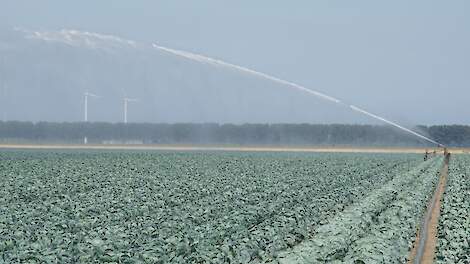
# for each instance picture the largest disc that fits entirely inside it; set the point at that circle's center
(221, 148)
(423, 251)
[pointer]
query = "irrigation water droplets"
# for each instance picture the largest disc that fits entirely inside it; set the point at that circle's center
(78, 38)
(219, 63)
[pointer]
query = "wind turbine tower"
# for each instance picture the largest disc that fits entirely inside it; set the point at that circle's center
(3, 100)
(126, 102)
(87, 94)
(3, 89)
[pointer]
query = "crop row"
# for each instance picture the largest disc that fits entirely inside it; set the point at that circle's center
(378, 229)
(454, 223)
(176, 207)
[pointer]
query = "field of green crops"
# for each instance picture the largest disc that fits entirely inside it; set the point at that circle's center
(454, 227)
(157, 207)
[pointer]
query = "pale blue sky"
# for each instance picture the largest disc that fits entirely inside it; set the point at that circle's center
(407, 60)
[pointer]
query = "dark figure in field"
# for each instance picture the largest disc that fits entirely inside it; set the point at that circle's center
(426, 154)
(447, 158)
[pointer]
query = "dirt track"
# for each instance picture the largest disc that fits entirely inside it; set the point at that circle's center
(423, 251)
(228, 148)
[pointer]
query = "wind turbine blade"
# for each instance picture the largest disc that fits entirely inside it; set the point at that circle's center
(93, 95)
(131, 99)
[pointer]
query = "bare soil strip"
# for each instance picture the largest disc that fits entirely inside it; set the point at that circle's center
(223, 148)
(423, 251)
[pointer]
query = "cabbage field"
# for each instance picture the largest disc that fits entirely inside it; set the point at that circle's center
(217, 207)
(454, 227)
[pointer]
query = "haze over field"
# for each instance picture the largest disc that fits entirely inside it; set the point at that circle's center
(243, 131)
(405, 61)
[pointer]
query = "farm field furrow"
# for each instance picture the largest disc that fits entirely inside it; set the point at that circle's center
(454, 223)
(157, 207)
(379, 228)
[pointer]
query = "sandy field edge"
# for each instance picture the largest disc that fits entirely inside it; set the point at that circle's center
(231, 148)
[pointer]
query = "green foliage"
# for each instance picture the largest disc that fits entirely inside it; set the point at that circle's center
(137, 207)
(454, 223)
(379, 228)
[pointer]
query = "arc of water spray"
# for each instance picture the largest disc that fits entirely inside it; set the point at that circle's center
(355, 108)
(205, 59)
(69, 36)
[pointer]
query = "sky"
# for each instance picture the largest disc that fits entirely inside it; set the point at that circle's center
(405, 60)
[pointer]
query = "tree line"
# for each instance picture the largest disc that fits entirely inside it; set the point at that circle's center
(230, 134)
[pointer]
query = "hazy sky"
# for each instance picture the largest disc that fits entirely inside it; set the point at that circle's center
(407, 60)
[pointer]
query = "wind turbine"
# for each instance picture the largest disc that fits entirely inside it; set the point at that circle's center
(126, 102)
(87, 94)
(3, 100)
(3, 90)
